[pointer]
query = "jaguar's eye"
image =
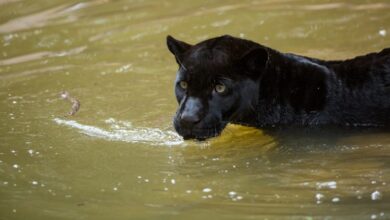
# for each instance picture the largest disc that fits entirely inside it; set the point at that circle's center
(220, 88)
(183, 84)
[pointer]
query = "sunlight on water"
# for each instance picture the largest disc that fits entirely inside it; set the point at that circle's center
(124, 131)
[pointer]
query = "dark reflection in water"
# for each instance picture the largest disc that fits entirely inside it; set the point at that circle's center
(330, 138)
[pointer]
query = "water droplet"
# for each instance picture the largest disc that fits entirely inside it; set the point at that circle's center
(31, 152)
(232, 193)
(329, 184)
(382, 32)
(376, 195)
(319, 196)
(206, 190)
(336, 199)
(124, 68)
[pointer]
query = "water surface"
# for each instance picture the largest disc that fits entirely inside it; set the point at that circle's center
(119, 157)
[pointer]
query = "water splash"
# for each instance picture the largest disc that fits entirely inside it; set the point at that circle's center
(124, 131)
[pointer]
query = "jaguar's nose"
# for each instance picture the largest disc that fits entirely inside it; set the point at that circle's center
(190, 114)
(189, 119)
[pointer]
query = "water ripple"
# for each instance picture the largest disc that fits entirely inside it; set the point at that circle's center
(40, 55)
(124, 131)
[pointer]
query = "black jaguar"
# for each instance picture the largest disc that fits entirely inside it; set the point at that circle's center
(232, 80)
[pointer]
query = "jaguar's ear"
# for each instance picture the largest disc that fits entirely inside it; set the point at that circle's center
(255, 60)
(177, 48)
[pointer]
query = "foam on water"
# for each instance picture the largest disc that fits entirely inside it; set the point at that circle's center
(124, 131)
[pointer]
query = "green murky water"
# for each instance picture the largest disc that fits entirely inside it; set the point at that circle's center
(118, 157)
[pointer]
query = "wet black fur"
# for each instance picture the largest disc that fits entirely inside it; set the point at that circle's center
(267, 88)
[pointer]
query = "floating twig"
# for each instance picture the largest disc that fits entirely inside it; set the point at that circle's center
(75, 103)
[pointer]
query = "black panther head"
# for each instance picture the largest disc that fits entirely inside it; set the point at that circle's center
(217, 82)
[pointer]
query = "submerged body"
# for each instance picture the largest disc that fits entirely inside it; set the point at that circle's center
(303, 91)
(228, 79)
